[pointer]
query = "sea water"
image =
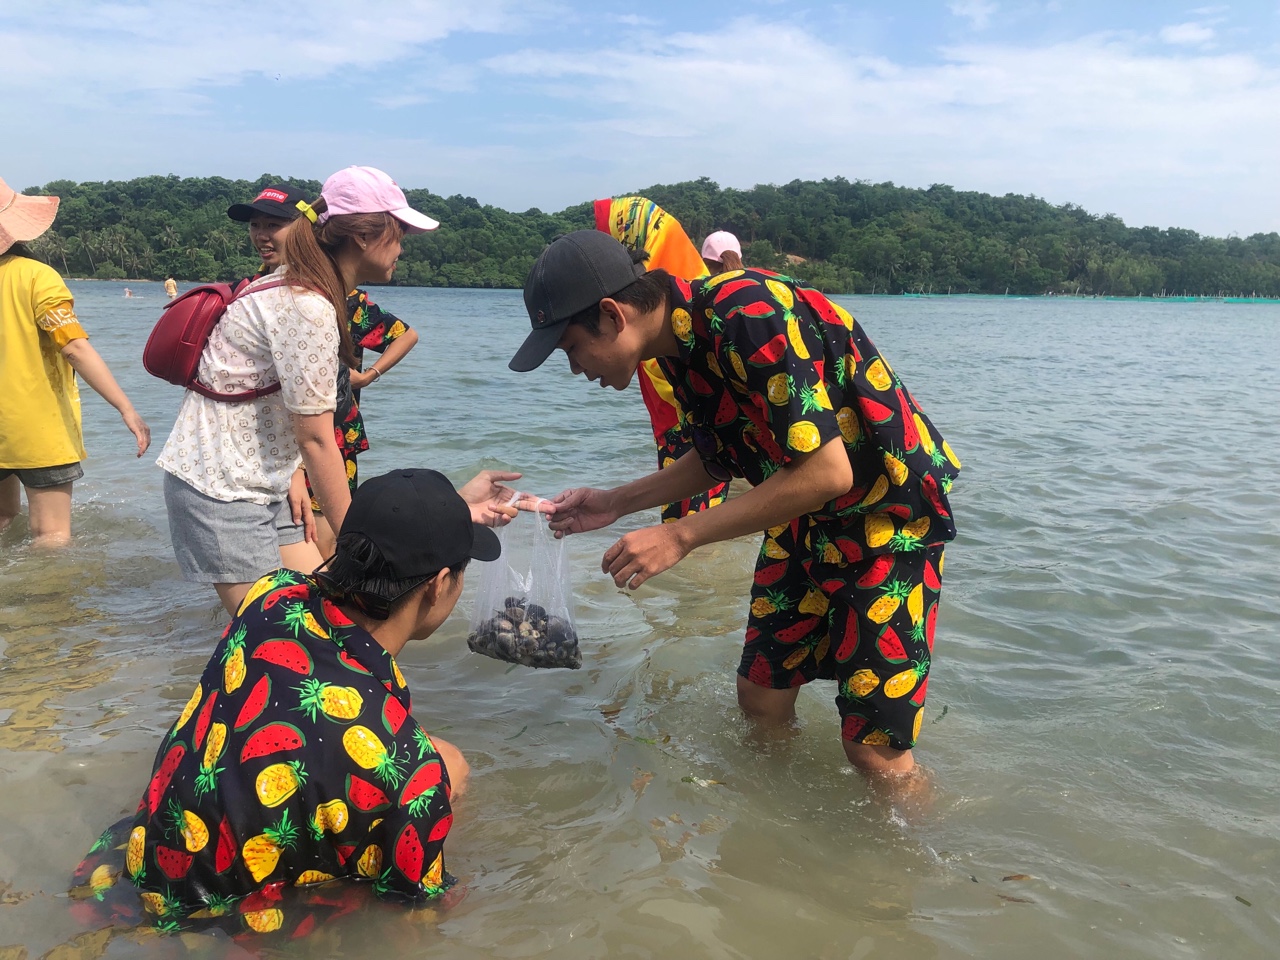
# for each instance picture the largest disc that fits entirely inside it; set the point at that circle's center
(1102, 710)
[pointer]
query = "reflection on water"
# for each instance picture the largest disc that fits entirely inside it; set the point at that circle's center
(1101, 716)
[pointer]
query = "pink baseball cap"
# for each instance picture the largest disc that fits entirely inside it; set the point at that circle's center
(716, 244)
(369, 190)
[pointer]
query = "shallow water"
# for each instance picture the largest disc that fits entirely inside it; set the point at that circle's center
(1102, 707)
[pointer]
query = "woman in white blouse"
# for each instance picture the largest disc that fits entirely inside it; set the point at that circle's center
(229, 464)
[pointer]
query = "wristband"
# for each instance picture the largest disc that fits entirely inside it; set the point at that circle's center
(377, 374)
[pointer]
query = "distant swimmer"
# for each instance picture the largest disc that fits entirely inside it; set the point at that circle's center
(170, 287)
(128, 292)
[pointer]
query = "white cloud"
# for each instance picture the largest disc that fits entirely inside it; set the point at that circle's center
(977, 12)
(1170, 139)
(1160, 134)
(1187, 34)
(175, 48)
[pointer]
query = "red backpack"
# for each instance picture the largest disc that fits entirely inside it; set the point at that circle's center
(173, 350)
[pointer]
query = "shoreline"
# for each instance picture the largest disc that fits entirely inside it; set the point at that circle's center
(890, 296)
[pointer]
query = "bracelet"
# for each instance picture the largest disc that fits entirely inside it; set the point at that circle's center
(377, 374)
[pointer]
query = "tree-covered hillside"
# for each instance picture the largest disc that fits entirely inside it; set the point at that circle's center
(840, 235)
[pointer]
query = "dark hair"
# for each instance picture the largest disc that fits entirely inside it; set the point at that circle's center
(311, 251)
(20, 250)
(358, 574)
(644, 293)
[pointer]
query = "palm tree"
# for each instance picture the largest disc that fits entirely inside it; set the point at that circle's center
(116, 243)
(101, 243)
(169, 237)
(87, 243)
(55, 245)
(220, 238)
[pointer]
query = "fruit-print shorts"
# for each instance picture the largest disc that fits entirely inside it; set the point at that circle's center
(867, 624)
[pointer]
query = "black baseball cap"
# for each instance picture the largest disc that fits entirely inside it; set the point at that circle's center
(278, 200)
(419, 523)
(574, 272)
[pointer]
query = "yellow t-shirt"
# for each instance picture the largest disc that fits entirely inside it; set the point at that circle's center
(39, 400)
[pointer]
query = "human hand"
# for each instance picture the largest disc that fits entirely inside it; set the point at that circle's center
(138, 427)
(644, 553)
(581, 509)
(495, 504)
(362, 378)
(300, 505)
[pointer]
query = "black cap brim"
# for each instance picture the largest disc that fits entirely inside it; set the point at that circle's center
(244, 212)
(537, 346)
(485, 544)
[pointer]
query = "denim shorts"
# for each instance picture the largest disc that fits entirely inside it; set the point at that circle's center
(36, 478)
(219, 541)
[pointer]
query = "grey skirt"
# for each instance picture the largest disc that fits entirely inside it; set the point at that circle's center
(219, 541)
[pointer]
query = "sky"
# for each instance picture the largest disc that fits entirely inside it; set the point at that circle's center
(1159, 113)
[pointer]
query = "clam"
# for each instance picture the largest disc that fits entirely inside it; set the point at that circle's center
(524, 633)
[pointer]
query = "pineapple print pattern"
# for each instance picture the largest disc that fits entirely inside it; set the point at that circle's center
(812, 375)
(850, 591)
(829, 612)
(372, 328)
(297, 756)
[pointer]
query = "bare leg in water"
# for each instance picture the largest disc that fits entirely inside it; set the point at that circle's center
(893, 774)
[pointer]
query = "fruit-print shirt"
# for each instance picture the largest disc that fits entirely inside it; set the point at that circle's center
(296, 761)
(769, 369)
(372, 328)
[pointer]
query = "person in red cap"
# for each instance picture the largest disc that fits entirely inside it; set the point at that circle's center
(229, 465)
(42, 349)
(270, 212)
(299, 763)
(849, 479)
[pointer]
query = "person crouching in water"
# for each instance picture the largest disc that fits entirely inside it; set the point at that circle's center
(849, 478)
(297, 762)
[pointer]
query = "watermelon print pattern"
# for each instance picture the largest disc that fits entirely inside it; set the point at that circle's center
(769, 370)
(372, 328)
(869, 626)
(292, 778)
(672, 445)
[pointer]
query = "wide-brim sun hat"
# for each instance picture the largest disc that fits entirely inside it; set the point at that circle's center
(714, 247)
(370, 190)
(23, 218)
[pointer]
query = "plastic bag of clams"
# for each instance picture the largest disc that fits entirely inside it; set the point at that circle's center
(524, 604)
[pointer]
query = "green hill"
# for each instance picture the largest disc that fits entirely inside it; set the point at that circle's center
(840, 235)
